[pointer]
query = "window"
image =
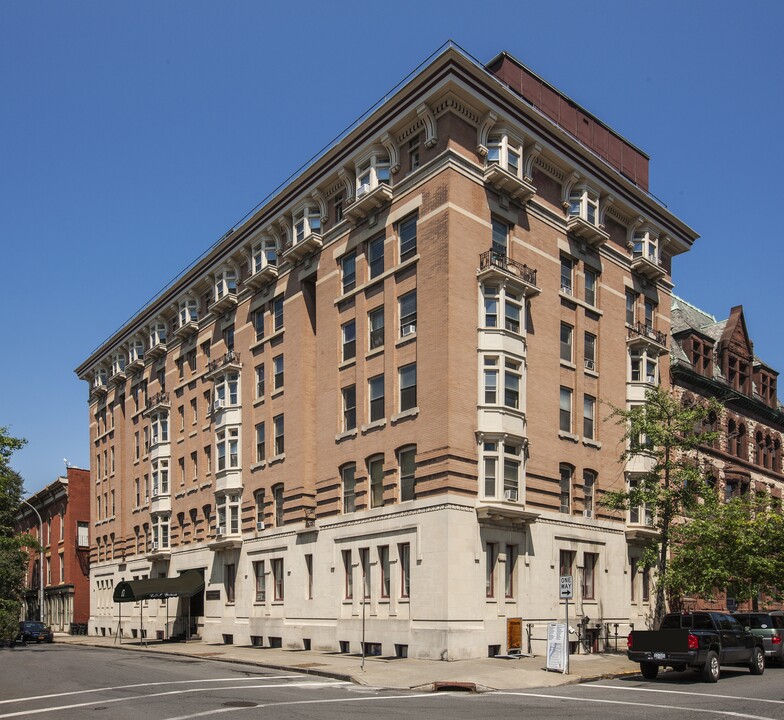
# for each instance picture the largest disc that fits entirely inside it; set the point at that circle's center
(509, 570)
(589, 405)
(229, 581)
(566, 342)
(348, 264)
(364, 562)
(590, 287)
(339, 201)
(383, 564)
(589, 351)
(490, 558)
(567, 269)
(194, 412)
(496, 456)
(633, 579)
(227, 445)
(404, 555)
(348, 575)
(82, 534)
(376, 395)
(646, 584)
(225, 284)
(277, 498)
(260, 381)
(640, 512)
(226, 388)
(349, 407)
(376, 476)
(491, 380)
(512, 310)
(643, 367)
(491, 296)
(349, 340)
(137, 492)
(565, 415)
(406, 459)
(277, 312)
(258, 323)
(408, 313)
(565, 486)
(261, 581)
(631, 307)
(644, 244)
(375, 256)
(259, 499)
(277, 366)
(407, 232)
(413, 153)
(506, 152)
(208, 459)
(584, 203)
(566, 562)
(261, 448)
(160, 428)
(307, 221)
(500, 236)
(136, 446)
(701, 357)
(309, 573)
(589, 492)
(277, 578)
(160, 477)
(263, 254)
(277, 422)
(157, 335)
(376, 328)
(408, 387)
(349, 484)
(371, 173)
(589, 567)
(512, 379)
(650, 312)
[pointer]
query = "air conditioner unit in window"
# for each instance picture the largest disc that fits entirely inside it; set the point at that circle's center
(218, 405)
(510, 495)
(154, 440)
(154, 545)
(260, 525)
(408, 330)
(221, 530)
(590, 364)
(146, 499)
(587, 513)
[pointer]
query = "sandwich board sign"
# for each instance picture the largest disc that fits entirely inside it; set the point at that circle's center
(556, 647)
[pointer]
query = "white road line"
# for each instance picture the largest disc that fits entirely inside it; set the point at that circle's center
(151, 684)
(58, 708)
(679, 708)
(680, 692)
(263, 706)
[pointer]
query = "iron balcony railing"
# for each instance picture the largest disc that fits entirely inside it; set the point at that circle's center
(646, 331)
(230, 358)
(160, 398)
(500, 260)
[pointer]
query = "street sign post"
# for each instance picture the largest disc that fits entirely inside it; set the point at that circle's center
(566, 593)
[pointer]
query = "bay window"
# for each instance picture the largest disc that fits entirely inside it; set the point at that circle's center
(307, 221)
(226, 388)
(584, 203)
(159, 423)
(501, 466)
(643, 366)
(227, 445)
(263, 253)
(225, 284)
(371, 173)
(160, 477)
(188, 311)
(506, 152)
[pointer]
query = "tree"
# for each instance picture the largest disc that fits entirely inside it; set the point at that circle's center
(13, 553)
(737, 544)
(668, 434)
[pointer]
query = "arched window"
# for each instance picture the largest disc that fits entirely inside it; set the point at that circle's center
(742, 443)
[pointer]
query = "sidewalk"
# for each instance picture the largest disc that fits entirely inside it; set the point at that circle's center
(397, 673)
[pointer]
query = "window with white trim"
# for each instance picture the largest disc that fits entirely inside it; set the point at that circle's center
(643, 367)
(589, 409)
(375, 469)
(375, 256)
(567, 276)
(348, 266)
(348, 484)
(260, 574)
(383, 564)
(160, 477)
(349, 344)
(406, 460)
(227, 508)
(277, 578)
(227, 388)
(376, 397)
(225, 283)
(157, 334)
(505, 151)
(566, 342)
(501, 468)
(376, 328)
(584, 203)
(408, 313)
(159, 425)
(278, 500)
(371, 173)
(260, 383)
(565, 414)
(589, 351)
(645, 245)
(227, 447)
(136, 351)
(264, 253)
(349, 395)
(188, 311)
(407, 234)
(277, 312)
(499, 237)
(589, 493)
(408, 387)
(261, 443)
(307, 221)
(277, 367)
(565, 487)
(640, 512)
(591, 279)
(279, 428)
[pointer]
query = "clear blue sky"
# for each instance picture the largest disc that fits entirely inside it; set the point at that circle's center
(134, 134)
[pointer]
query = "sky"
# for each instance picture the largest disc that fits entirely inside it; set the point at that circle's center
(133, 135)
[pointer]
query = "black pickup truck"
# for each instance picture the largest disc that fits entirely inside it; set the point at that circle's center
(703, 641)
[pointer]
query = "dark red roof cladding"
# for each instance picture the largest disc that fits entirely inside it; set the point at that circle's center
(579, 123)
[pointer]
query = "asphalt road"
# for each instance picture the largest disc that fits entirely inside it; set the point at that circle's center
(61, 682)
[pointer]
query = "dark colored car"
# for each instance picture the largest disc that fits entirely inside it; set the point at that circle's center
(770, 627)
(34, 631)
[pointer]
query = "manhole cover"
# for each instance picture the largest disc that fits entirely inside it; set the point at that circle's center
(239, 704)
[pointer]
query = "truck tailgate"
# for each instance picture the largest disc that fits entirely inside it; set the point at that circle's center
(675, 640)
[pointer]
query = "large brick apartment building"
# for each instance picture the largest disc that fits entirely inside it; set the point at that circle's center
(380, 395)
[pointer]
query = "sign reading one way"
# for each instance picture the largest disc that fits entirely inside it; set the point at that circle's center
(567, 592)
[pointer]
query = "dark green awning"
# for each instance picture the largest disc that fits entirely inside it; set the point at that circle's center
(185, 585)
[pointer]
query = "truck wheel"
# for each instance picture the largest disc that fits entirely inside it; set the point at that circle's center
(649, 670)
(711, 669)
(757, 664)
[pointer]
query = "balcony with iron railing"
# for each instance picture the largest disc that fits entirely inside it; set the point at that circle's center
(494, 264)
(159, 401)
(228, 361)
(642, 334)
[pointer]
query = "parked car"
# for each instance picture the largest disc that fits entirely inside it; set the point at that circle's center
(703, 641)
(34, 631)
(770, 627)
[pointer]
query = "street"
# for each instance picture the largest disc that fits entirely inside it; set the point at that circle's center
(65, 682)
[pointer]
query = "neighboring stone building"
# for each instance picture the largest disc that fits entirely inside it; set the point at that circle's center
(386, 385)
(715, 359)
(64, 508)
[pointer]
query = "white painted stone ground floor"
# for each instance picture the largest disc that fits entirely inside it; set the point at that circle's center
(427, 579)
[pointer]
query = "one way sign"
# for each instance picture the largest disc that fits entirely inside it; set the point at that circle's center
(567, 591)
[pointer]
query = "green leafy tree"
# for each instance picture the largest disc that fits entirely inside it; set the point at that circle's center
(667, 435)
(738, 544)
(13, 547)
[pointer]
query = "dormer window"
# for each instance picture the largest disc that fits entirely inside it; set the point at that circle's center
(738, 374)
(189, 311)
(584, 203)
(307, 221)
(701, 356)
(371, 173)
(506, 152)
(225, 283)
